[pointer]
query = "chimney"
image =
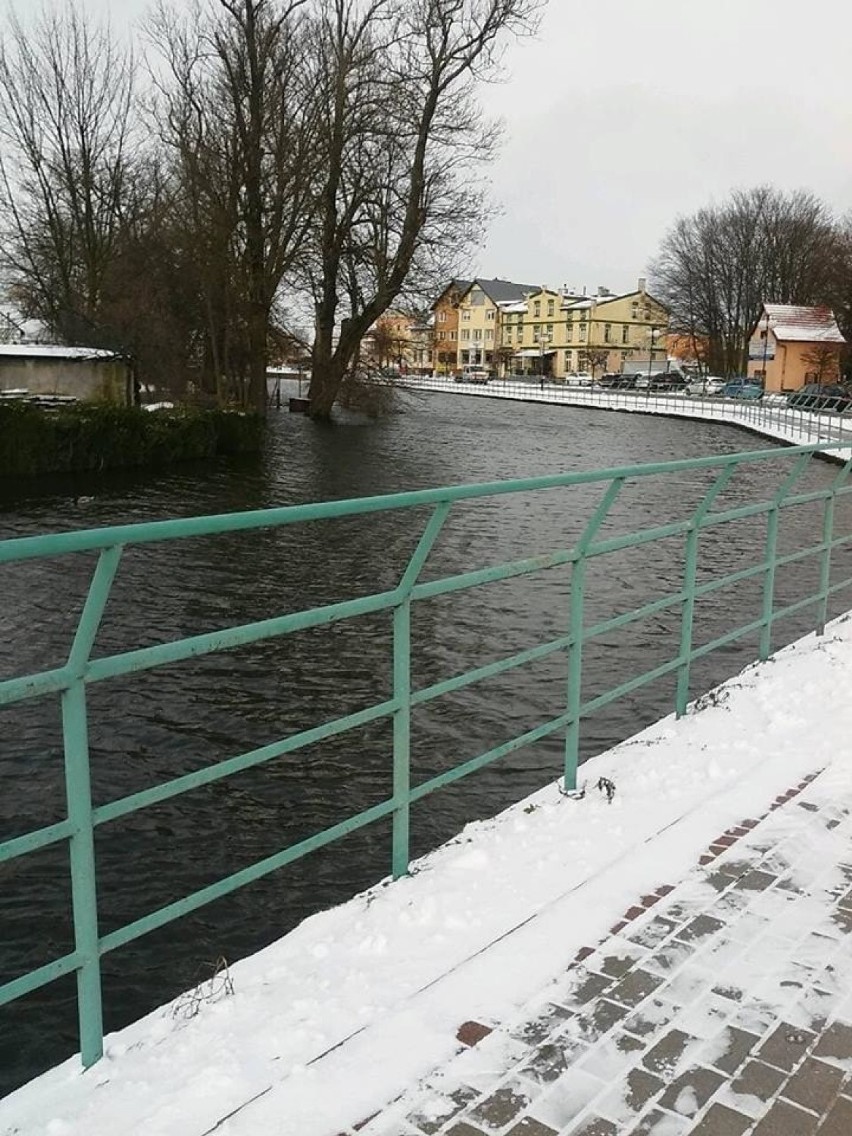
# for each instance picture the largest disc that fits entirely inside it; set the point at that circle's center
(642, 284)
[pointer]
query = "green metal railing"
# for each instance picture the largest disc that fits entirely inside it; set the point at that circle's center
(70, 680)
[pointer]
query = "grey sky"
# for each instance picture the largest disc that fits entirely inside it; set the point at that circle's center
(623, 113)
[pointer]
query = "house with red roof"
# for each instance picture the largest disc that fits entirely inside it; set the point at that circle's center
(792, 345)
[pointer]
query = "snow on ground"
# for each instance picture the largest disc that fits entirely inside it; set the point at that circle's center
(769, 417)
(337, 1018)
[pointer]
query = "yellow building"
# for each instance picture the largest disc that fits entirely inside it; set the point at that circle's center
(791, 346)
(558, 334)
(480, 317)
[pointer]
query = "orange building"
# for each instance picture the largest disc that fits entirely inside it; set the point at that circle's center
(791, 346)
(446, 326)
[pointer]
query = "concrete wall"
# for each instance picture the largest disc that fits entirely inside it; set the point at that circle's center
(86, 379)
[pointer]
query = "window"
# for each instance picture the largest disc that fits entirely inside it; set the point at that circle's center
(582, 333)
(607, 333)
(442, 317)
(569, 331)
(489, 333)
(442, 335)
(508, 335)
(477, 333)
(537, 309)
(568, 359)
(465, 333)
(625, 333)
(465, 315)
(520, 333)
(550, 304)
(490, 314)
(634, 310)
(550, 330)
(451, 335)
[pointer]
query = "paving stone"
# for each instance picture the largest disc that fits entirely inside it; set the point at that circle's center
(437, 1111)
(689, 1092)
(839, 1120)
(581, 987)
(689, 985)
(814, 1086)
(729, 1049)
(635, 987)
(564, 1101)
(841, 917)
(552, 1059)
(665, 1055)
(652, 1016)
(593, 1126)
(651, 934)
(755, 881)
(759, 1080)
(594, 1022)
(616, 962)
(836, 1043)
(530, 1127)
(719, 1120)
(786, 1120)
(470, 1033)
(547, 1021)
(706, 1017)
(700, 929)
(786, 1046)
(464, 1129)
(735, 866)
(658, 1123)
(501, 1108)
(630, 1096)
(669, 957)
(612, 1056)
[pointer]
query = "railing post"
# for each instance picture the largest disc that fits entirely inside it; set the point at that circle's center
(78, 792)
(827, 537)
(401, 844)
(83, 880)
(575, 633)
(689, 578)
(770, 557)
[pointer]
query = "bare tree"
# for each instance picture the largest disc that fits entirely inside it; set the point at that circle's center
(717, 267)
(593, 358)
(402, 139)
(823, 360)
(236, 114)
(68, 184)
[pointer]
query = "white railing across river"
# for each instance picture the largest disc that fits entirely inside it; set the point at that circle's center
(770, 416)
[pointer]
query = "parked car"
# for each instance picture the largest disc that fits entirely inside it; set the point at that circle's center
(473, 375)
(661, 381)
(708, 386)
(578, 379)
(742, 388)
(821, 396)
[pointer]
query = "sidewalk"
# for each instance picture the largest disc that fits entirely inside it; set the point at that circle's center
(721, 1006)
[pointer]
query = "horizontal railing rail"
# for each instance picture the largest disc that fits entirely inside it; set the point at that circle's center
(71, 679)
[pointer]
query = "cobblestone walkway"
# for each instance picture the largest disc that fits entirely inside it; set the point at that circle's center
(721, 1006)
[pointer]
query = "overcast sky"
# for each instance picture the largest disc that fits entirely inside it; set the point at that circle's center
(622, 114)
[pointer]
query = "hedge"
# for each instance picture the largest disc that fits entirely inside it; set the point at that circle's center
(96, 437)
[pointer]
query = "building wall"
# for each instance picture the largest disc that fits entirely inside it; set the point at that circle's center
(101, 380)
(621, 326)
(446, 333)
(477, 329)
(789, 369)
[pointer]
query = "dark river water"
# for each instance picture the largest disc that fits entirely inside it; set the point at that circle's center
(168, 722)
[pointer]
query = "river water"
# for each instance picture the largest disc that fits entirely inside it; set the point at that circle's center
(168, 722)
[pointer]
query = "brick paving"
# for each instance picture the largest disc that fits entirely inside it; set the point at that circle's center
(721, 1006)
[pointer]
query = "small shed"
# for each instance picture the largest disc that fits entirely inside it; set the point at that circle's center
(791, 346)
(86, 373)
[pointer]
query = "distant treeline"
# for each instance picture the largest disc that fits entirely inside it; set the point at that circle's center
(86, 437)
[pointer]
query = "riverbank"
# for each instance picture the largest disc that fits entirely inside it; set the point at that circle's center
(768, 418)
(88, 437)
(360, 1003)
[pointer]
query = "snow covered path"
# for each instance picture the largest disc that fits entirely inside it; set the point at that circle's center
(770, 417)
(508, 929)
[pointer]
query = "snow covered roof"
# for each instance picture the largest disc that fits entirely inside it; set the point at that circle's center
(53, 351)
(805, 325)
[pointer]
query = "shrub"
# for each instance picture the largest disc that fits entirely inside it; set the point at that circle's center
(93, 437)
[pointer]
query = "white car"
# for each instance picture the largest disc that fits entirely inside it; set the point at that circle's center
(578, 379)
(710, 385)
